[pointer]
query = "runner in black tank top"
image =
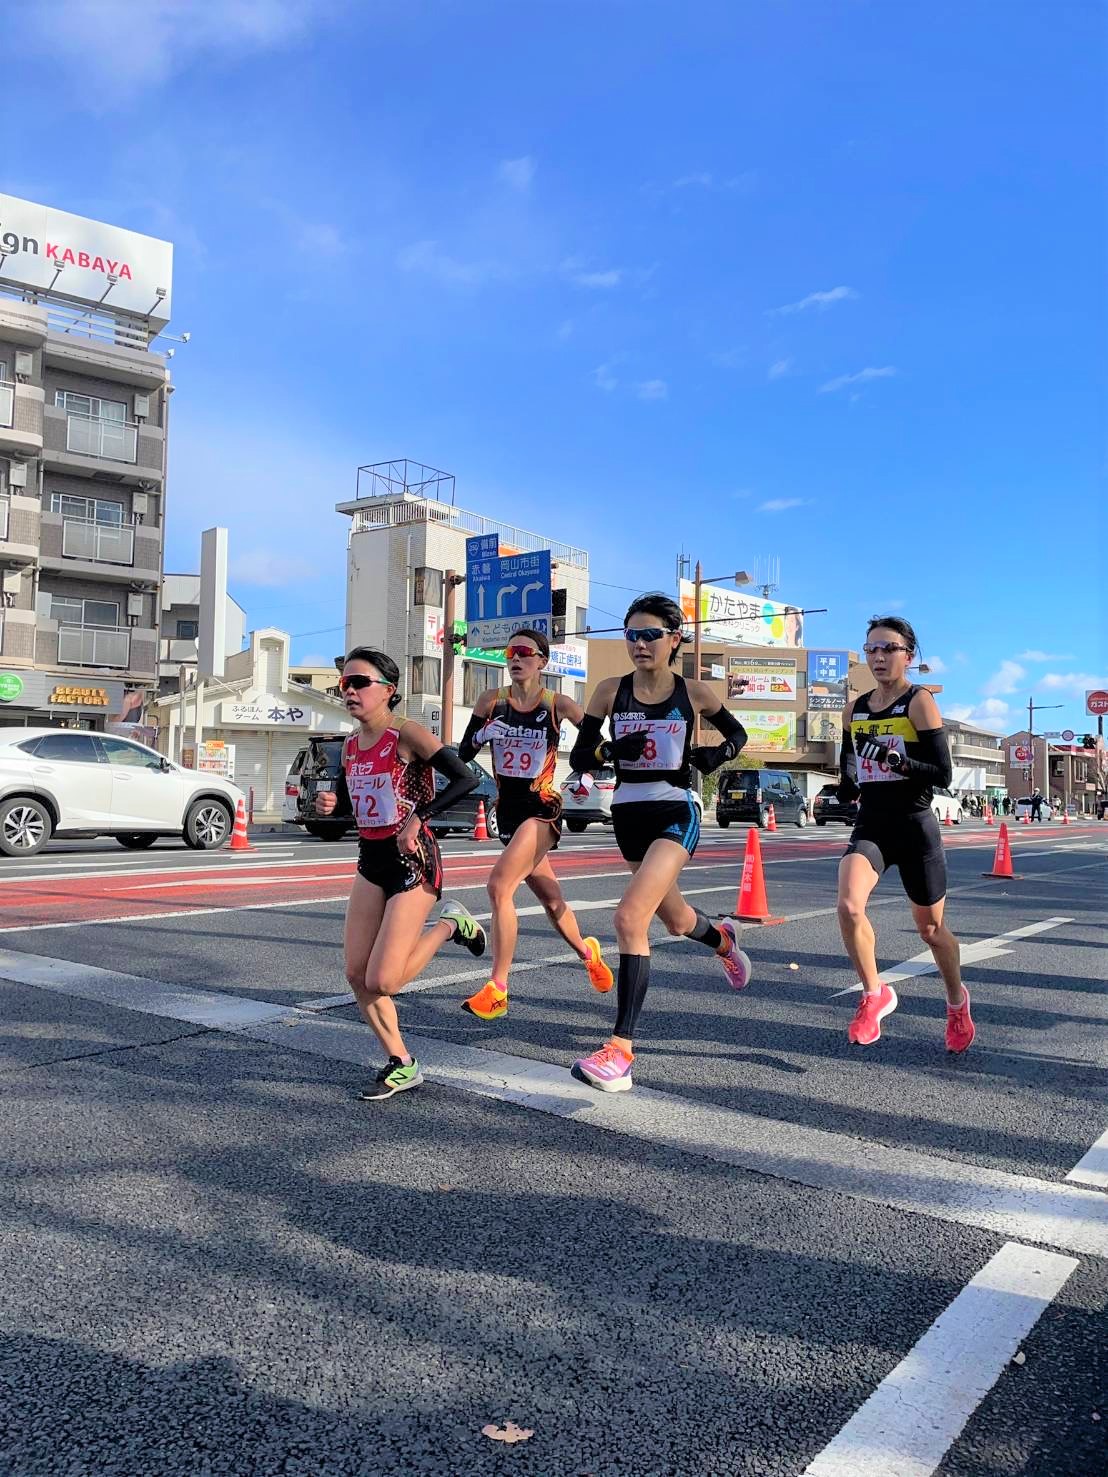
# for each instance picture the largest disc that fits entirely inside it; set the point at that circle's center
(651, 713)
(521, 723)
(894, 754)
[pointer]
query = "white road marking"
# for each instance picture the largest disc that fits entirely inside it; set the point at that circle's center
(919, 1409)
(1064, 1216)
(973, 953)
(1092, 1168)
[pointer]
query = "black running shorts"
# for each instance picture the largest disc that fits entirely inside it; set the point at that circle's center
(382, 863)
(510, 817)
(639, 823)
(912, 843)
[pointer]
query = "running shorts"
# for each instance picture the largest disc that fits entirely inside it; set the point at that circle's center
(912, 843)
(509, 818)
(639, 823)
(383, 864)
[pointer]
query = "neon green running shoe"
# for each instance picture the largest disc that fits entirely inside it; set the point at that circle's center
(467, 931)
(395, 1076)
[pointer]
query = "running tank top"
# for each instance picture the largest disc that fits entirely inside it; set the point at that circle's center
(524, 763)
(884, 793)
(663, 772)
(384, 789)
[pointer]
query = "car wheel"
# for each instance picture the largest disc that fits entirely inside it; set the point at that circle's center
(491, 824)
(326, 831)
(25, 827)
(576, 826)
(763, 819)
(137, 840)
(208, 825)
(958, 817)
(802, 817)
(722, 824)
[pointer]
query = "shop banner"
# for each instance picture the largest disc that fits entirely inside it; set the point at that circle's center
(768, 732)
(767, 679)
(742, 620)
(825, 727)
(827, 680)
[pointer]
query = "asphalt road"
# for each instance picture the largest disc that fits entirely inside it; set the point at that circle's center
(778, 1254)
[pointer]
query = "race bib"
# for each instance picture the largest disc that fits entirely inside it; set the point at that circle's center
(869, 771)
(521, 756)
(374, 800)
(665, 744)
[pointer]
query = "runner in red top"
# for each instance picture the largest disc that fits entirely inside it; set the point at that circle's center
(388, 785)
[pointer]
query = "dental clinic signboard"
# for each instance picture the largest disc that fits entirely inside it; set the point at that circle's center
(44, 249)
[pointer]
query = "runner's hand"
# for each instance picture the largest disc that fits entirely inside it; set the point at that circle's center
(496, 728)
(407, 838)
(583, 787)
(873, 751)
(629, 746)
(325, 802)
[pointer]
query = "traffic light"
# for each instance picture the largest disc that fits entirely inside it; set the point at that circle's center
(458, 642)
(557, 617)
(1088, 742)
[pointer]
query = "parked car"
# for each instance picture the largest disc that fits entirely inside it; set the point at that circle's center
(596, 806)
(319, 763)
(946, 803)
(828, 807)
(69, 782)
(747, 794)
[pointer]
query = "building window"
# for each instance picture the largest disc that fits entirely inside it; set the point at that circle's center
(580, 618)
(688, 665)
(70, 610)
(87, 509)
(90, 405)
(190, 631)
(427, 586)
(579, 693)
(477, 678)
(426, 676)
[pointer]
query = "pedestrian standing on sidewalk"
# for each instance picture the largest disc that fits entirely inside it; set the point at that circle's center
(894, 755)
(522, 723)
(388, 784)
(651, 712)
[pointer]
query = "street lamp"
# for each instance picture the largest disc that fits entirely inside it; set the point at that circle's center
(1032, 708)
(740, 577)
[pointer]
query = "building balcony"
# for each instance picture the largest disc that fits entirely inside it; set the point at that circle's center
(90, 446)
(19, 529)
(20, 419)
(107, 543)
(7, 404)
(114, 551)
(94, 646)
(89, 435)
(975, 753)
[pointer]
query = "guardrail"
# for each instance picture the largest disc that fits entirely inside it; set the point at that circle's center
(94, 646)
(108, 543)
(91, 435)
(391, 514)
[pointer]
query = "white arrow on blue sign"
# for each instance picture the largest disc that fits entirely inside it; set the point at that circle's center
(503, 594)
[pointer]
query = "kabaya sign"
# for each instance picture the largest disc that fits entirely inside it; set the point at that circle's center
(86, 260)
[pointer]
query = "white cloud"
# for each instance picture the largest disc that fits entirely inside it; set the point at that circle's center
(603, 378)
(992, 713)
(821, 301)
(320, 239)
(861, 378)
(1044, 656)
(428, 258)
(783, 504)
(1004, 680)
(936, 664)
(518, 173)
(264, 567)
(1071, 684)
(119, 48)
(704, 179)
(574, 269)
(652, 390)
(779, 369)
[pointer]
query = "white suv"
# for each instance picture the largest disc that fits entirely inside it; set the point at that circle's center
(59, 781)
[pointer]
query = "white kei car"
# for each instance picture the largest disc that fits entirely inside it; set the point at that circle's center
(66, 782)
(946, 804)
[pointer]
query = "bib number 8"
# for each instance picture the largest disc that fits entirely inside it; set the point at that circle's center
(650, 750)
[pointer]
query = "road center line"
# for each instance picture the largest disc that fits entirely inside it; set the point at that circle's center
(973, 953)
(919, 1409)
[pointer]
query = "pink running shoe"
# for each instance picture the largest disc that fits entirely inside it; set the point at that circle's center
(608, 1069)
(960, 1029)
(736, 964)
(865, 1028)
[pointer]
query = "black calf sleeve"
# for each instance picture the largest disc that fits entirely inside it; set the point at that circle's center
(704, 931)
(631, 983)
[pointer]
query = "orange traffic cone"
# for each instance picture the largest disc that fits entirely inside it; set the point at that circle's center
(752, 906)
(480, 828)
(1002, 861)
(1065, 817)
(771, 823)
(239, 839)
(946, 819)
(988, 815)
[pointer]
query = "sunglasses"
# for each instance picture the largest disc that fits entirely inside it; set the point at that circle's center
(357, 680)
(511, 651)
(872, 648)
(645, 633)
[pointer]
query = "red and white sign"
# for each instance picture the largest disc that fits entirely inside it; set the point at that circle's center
(1019, 754)
(1096, 702)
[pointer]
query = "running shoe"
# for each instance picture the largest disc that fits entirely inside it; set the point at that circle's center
(736, 964)
(467, 931)
(865, 1028)
(608, 1070)
(489, 1004)
(960, 1029)
(600, 976)
(395, 1076)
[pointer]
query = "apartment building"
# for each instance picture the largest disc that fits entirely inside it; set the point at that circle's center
(181, 615)
(84, 405)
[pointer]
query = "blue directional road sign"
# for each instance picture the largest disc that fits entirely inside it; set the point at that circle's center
(505, 593)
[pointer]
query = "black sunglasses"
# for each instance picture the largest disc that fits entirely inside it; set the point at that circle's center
(358, 680)
(645, 633)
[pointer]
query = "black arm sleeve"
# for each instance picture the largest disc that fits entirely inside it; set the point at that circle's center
(344, 806)
(467, 749)
(848, 769)
(936, 768)
(708, 757)
(460, 781)
(583, 757)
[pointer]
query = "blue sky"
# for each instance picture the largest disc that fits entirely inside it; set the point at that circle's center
(820, 279)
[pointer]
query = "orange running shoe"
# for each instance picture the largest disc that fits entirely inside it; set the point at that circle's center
(489, 1004)
(600, 976)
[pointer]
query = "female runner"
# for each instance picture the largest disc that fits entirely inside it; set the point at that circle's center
(522, 724)
(894, 753)
(388, 785)
(651, 713)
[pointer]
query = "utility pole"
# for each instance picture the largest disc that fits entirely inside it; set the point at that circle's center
(740, 577)
(453, 580)
(1032, 708)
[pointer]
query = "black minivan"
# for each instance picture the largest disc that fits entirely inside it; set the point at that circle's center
(747, 794)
